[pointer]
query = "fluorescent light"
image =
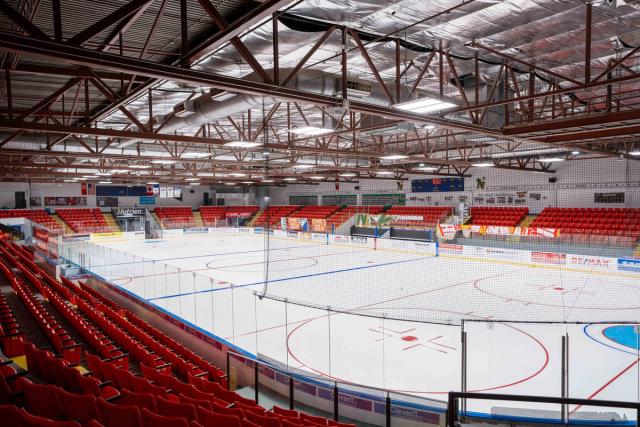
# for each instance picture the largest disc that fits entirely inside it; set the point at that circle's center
(347, 174)
(575, 152)
(551, 159)
(289, 179)
(426, 168)
(119, 170)
(152, 183)
(243, 144)
(229, 183)
(424, 105)
(267, 180)
(303, 166)
(247, 182)
(104, 182)
(310, 131)
(483, 164)
(384, 173)
(90, 176)
(428, 127)
(104, 173)
(164, 162)
(139, 166)
(634, 153)
(318, 177)
(394, 157)
(192, 184)
(238, 174)
(192, 179)
(70, 180)
(196, 155)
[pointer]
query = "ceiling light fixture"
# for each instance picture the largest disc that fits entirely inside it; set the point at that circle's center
(238, 174)
(634, 153)
(267, 180)
(394, 157)
(303, 166)
(192, 179)
(243, 144)
(347, 175)
(164, 162)
(483, 164)
(426, 168)
(310, 131)
(551, 159)
(424, 105)
(317, 177)
(139, 166)
(289, 179)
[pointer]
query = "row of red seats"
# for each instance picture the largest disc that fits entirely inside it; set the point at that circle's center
(341, 216)
(39, 216)
(431, 215)
(592, 221)
(11, 337)
(314, 212)
(176, 217)
(54, 331)
(184, 360)
(212, 214)
(84, 220)
(500, 216)
(272, 214)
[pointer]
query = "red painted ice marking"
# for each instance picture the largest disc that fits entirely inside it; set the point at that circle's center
(558, 288)
(381, 333)
(409, 338)
(432, 341)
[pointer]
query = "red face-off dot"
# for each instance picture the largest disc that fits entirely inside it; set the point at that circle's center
(409, 338)
(558, 289)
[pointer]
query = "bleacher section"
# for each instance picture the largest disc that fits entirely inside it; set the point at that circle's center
(212, 215)
(272, 215)
(97, 383)
(176, 217)
(314, 212)
(506, 217)
(85, 220)
(39, 216)
(430, 215)
(583, 224)
(341, 216)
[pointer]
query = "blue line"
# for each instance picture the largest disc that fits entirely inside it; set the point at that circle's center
(196, 256)
(288, 278)
(584, 329)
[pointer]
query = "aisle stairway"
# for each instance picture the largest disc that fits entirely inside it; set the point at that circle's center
(255, 218)
(67, 229)
(111, 221)
(526, 222)
(198, 218)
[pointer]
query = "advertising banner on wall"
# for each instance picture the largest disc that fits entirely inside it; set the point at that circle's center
(319, 225)
(65, 201)
(300, 224)
(163, 192)
(448, 231)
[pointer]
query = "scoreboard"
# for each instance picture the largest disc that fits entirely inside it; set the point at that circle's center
(436, 185)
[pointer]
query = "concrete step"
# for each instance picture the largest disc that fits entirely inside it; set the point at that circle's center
(198, 219)
(526, 222)
(111, 221)
(67, 229)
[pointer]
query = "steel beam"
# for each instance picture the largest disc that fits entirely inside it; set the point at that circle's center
(557, 124)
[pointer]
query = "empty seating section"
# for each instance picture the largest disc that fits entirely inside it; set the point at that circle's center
(314, 212)
(507, 217)
(419, 216)
(622, 224)
(176, 217)
(212, 215)
(272, 214)
(341, 216)
(176, 387)
(39, 216)
(85, 220)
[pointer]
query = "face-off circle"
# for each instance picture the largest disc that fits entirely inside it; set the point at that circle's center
(593, 293)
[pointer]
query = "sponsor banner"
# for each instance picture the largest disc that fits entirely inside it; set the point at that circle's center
(319, 225)
(382, 220)
(240, 230)
(592, 262)
(134, 235)
(279, 233)
(317, 236)
(76, 238)
(283, 223)
(305, 235)
(449, 248)
(359, 240)
(196, 230)
(258, 230)
(448, 231)
(548, 258)
(300, 224)
(172, 232)
(293, 234)
(627, 264)
(340, 239)
(128, 212)
(497, 253)
(103, 237)
(147, 200)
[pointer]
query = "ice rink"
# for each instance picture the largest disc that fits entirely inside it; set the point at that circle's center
(212, 280)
